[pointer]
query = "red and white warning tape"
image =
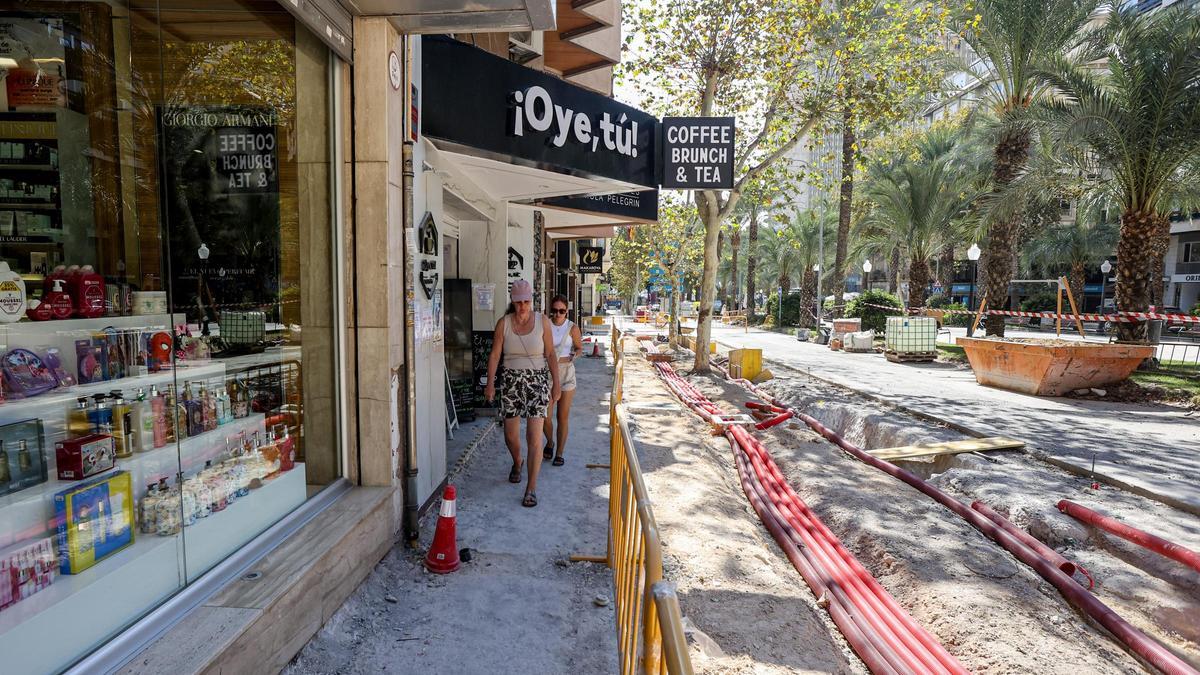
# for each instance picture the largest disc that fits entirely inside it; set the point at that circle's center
(1119, 317)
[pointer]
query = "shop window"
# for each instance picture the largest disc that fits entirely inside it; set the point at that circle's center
(167, 351)
(1190, 252)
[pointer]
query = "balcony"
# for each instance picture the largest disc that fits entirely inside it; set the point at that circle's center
(587, 42)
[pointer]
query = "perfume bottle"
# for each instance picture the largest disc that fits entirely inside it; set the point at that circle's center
(24, 460)
(193, 412)
(78, 423)
(143, 422)
(210, 408)
(99, 413)
(122, 423)
(239, 396)
(5, 471)
(224, 407)
(166, 512)
(158, 410)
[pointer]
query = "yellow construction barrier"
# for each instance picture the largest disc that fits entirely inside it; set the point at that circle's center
(650, 635)
(745, 363)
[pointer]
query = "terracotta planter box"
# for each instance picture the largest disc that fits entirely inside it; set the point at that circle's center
(1051, 367)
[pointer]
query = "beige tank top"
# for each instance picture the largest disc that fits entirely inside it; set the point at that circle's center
(524, 352)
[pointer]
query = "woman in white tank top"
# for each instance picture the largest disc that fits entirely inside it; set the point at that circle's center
(524, 339)
(568, 344)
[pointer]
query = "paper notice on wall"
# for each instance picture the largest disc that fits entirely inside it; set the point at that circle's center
(484, 296)
(436, 313)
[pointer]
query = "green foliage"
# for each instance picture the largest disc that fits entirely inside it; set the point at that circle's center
(791, 309)
(937, 302)
(957, 319)
(1196, 309)
(1042, 301)
(874, 318)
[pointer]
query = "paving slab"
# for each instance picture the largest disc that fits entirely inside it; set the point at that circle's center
(1153, 450)
(517, 606)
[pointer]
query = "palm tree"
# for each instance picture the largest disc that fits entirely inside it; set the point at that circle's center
(1139, 120)
(1012, 38)
(778, 256)
(918, 206)
(1071, 249)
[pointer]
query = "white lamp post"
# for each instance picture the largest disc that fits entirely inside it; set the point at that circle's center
(820, 300)
(973, 255)
(867, 275)
(1105, 268)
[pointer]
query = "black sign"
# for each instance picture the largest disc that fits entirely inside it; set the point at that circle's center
(635, 206)
(591, 260)
(220, 188)
(480, 104)
(697, 153)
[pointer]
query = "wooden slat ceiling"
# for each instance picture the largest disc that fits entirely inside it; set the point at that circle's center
(204, 20)
(561, 53)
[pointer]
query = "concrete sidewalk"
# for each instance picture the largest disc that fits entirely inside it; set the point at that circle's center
(1153, 450)
(518, 606)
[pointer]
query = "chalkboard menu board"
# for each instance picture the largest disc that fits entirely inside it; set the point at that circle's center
(220, 188)
(481, 351)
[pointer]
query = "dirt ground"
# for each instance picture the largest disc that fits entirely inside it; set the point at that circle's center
(753, 612)
(990, 611)
(1155, 594)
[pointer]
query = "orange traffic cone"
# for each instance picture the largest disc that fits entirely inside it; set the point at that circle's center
(443, 555)
(595, 348)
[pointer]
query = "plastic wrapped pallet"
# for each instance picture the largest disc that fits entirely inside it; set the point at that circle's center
(911, 335)
(860, 341)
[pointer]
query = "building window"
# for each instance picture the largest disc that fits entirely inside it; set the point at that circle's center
(168, 303)
(1190, 252)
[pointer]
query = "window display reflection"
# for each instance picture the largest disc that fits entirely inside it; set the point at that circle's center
(167, 320)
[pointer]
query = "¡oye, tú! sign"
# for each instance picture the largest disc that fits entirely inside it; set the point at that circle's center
(697, 153)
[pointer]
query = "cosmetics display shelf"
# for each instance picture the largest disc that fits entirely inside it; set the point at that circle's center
(88, 326)
(77, 611)
(52, 406)
(146, 467)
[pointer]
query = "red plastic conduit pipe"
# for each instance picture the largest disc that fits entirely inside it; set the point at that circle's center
(1157, 544)
(900, 640)
(1029, 540)
(878, 599)
(1137, 642)
(778, 419)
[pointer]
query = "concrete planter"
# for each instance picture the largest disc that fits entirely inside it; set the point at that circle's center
(1051, 367)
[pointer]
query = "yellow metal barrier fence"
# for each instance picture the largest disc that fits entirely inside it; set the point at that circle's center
(650, 635)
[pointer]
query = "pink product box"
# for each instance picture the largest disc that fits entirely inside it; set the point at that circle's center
(25, 569)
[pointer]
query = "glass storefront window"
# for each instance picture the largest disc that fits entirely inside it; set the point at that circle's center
(167, 303)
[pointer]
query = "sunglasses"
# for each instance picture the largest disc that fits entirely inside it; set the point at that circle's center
(558, 311)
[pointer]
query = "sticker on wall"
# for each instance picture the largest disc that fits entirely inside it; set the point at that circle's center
(484, 296)
(395, 73)
(516, 266)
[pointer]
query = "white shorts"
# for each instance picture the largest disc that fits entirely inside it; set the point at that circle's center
(566, 376)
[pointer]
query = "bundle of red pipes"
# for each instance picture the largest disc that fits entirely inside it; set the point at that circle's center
(1010, 537)
(884, 636)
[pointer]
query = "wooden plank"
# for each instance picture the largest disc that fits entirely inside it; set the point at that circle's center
(948, 448)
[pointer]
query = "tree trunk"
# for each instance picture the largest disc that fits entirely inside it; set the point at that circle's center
(723, 287)
(735, 242)
(751, 263)
(845, 202)
(1135, 256)
(918, 281)
(893, 278)
(673, 311)
(1076, 279)
(946, 270)
(1011, 154)
(1162, 242)
(808, 299)
(706, 205)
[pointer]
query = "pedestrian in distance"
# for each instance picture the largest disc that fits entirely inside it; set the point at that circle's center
(524, 340)
(568, 345)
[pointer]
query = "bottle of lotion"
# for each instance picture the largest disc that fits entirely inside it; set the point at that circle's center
(60, 303)
(12, 295)
(89, 293)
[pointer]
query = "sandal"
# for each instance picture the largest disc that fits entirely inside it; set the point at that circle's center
(514, 476)
(559, 461)
(548, 451)
(530, 500)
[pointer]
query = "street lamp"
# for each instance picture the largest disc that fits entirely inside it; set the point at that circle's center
(867, 275)
(973, 256)
(820, 300)
(1105, 268)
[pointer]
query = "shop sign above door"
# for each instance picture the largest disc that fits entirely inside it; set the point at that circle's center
(591, 260)
(697, 153)
(480, 104)
(634, 206)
